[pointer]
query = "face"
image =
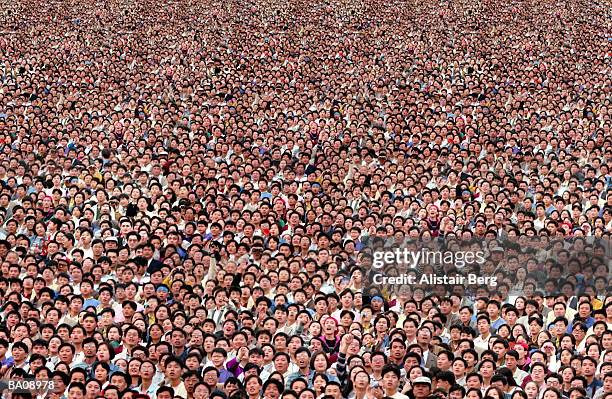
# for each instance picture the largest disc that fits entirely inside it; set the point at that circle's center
(531, 389)
(390, 381)
(421, 390)
(486, 369)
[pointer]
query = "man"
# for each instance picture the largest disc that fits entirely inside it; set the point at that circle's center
(165, 393)
(121, 380)
(272, 389)
(421, 387)
(511, 359)
(390, 382)
(500, 346)
(333, 389)
(90, 347)
(584, 315)
(173, 370)
(410, 327)
(493, 310)
(302, 360)
(589, 367)
(179, 341)
(481, 342)
(606, 388)
(218, 358)
(76, 390)
(428, 359)
(397, 352)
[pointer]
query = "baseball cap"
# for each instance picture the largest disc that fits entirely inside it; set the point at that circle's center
(422, 380)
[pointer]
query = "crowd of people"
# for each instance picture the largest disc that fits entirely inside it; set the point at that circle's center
(191, 191)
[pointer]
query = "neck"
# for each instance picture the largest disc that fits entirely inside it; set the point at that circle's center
(360, 394)
(329, 336)
(391, 392)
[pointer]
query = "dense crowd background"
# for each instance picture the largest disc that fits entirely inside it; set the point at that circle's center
(189, 189)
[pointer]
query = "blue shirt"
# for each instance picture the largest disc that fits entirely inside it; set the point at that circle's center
(497, 323)
(91, 302)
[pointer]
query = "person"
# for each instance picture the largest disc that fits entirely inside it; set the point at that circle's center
(389, 384)
(173, 370)
(76, 390)
(199, 199)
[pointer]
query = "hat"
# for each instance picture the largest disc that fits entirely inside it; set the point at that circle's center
(422, 380)
(377, 297)
(497, 249)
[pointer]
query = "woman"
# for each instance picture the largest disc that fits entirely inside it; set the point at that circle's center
(92, 389)
(593, 349)
(54, 344)
(426, 305)
(167, 325)
(551, 393)
(474, 393)
(486, 370)
(519, 282)
(38, 238)
(356, 284)
(567, 374)
(518, 330)
(106, 354)
(504, 332)
(548, 347)
(542, 337)
(314, 330)
(133, 369)
(414, 373)
(318, 383)
(101, 373)
(532, 390)
(121, 364)
(565, 357)
(140, 324)
(319, 363)
(155, 334)
(519, 394)
(519, 304)
(494, 393)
